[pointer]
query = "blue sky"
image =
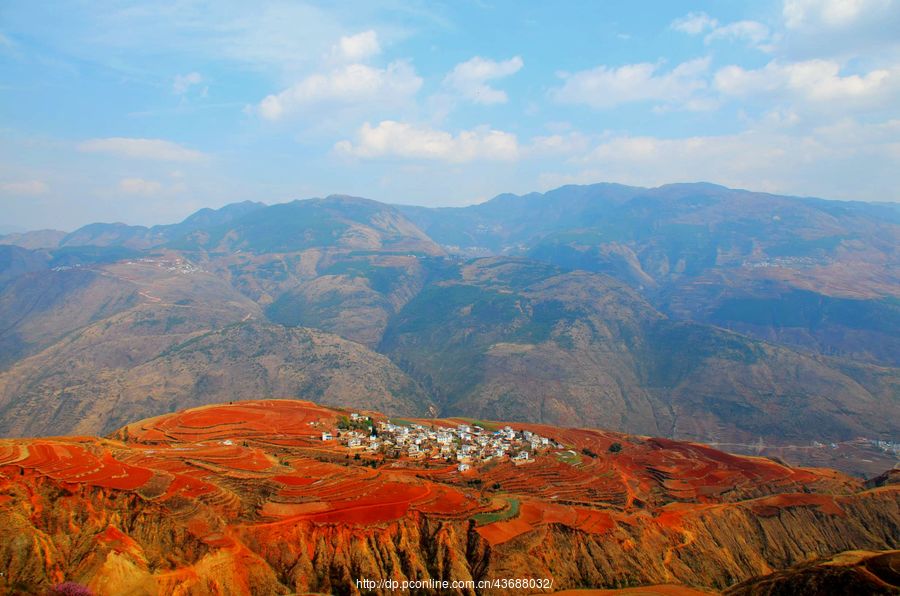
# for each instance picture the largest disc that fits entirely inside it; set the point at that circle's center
(143, 112)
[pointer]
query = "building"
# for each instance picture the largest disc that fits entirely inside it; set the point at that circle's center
(326, 436)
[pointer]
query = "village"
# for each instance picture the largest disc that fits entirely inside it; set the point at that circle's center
(464, 444)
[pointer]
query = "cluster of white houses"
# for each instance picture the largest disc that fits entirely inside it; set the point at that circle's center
(465, 444)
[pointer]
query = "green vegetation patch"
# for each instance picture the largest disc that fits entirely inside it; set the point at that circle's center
(509, 512)
(401, 421)
(568, 457)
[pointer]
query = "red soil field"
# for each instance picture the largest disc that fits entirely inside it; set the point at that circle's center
(194, 453)
(262, 465)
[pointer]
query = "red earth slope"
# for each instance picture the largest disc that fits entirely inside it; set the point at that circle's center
(246, 498)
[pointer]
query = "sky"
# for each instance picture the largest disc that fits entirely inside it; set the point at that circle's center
(143, 112)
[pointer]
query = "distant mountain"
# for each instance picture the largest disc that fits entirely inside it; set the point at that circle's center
(336, 221)
(690, 311)
(146, 338)
(541, 344)
(670, 223)
(712, 254)
(140, 237)
(16, 261)
(43, 306)
(34, 239)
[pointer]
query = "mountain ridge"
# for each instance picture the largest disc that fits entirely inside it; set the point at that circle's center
(693, 311)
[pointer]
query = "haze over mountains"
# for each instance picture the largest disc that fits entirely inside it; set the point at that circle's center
(689, 311)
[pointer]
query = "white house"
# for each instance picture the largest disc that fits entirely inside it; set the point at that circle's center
(326, 436)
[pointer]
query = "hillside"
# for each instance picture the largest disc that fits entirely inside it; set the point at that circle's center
(545, 345)
(248, 497)
(181, 337)
(805, 272)
(855, 572)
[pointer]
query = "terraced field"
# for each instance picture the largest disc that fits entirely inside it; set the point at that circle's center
(251, 488)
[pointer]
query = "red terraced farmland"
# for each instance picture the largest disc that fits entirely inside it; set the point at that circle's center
(260, 468)
(294, 480)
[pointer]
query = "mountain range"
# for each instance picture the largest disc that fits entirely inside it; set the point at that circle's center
(688, 311)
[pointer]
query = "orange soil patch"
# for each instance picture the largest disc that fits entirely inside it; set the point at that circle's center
(118, 541)
(219, 416)
(185, 486)
(75, 464)
(448, 502)
(363, 515)
(293, 509)
(272, 419)
(535, 513)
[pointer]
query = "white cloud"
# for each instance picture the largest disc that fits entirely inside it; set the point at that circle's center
(154, 149)
(139, 186)
(29, 188)
(277, 38)
(753, 32)
(183, 83)
(404, 140)
(469, 79)
(607, 87)
(830, 13)
(844, 29)
(359, 47)
(694, 23)
(571, 143)
(346, 85)
(810, 80)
